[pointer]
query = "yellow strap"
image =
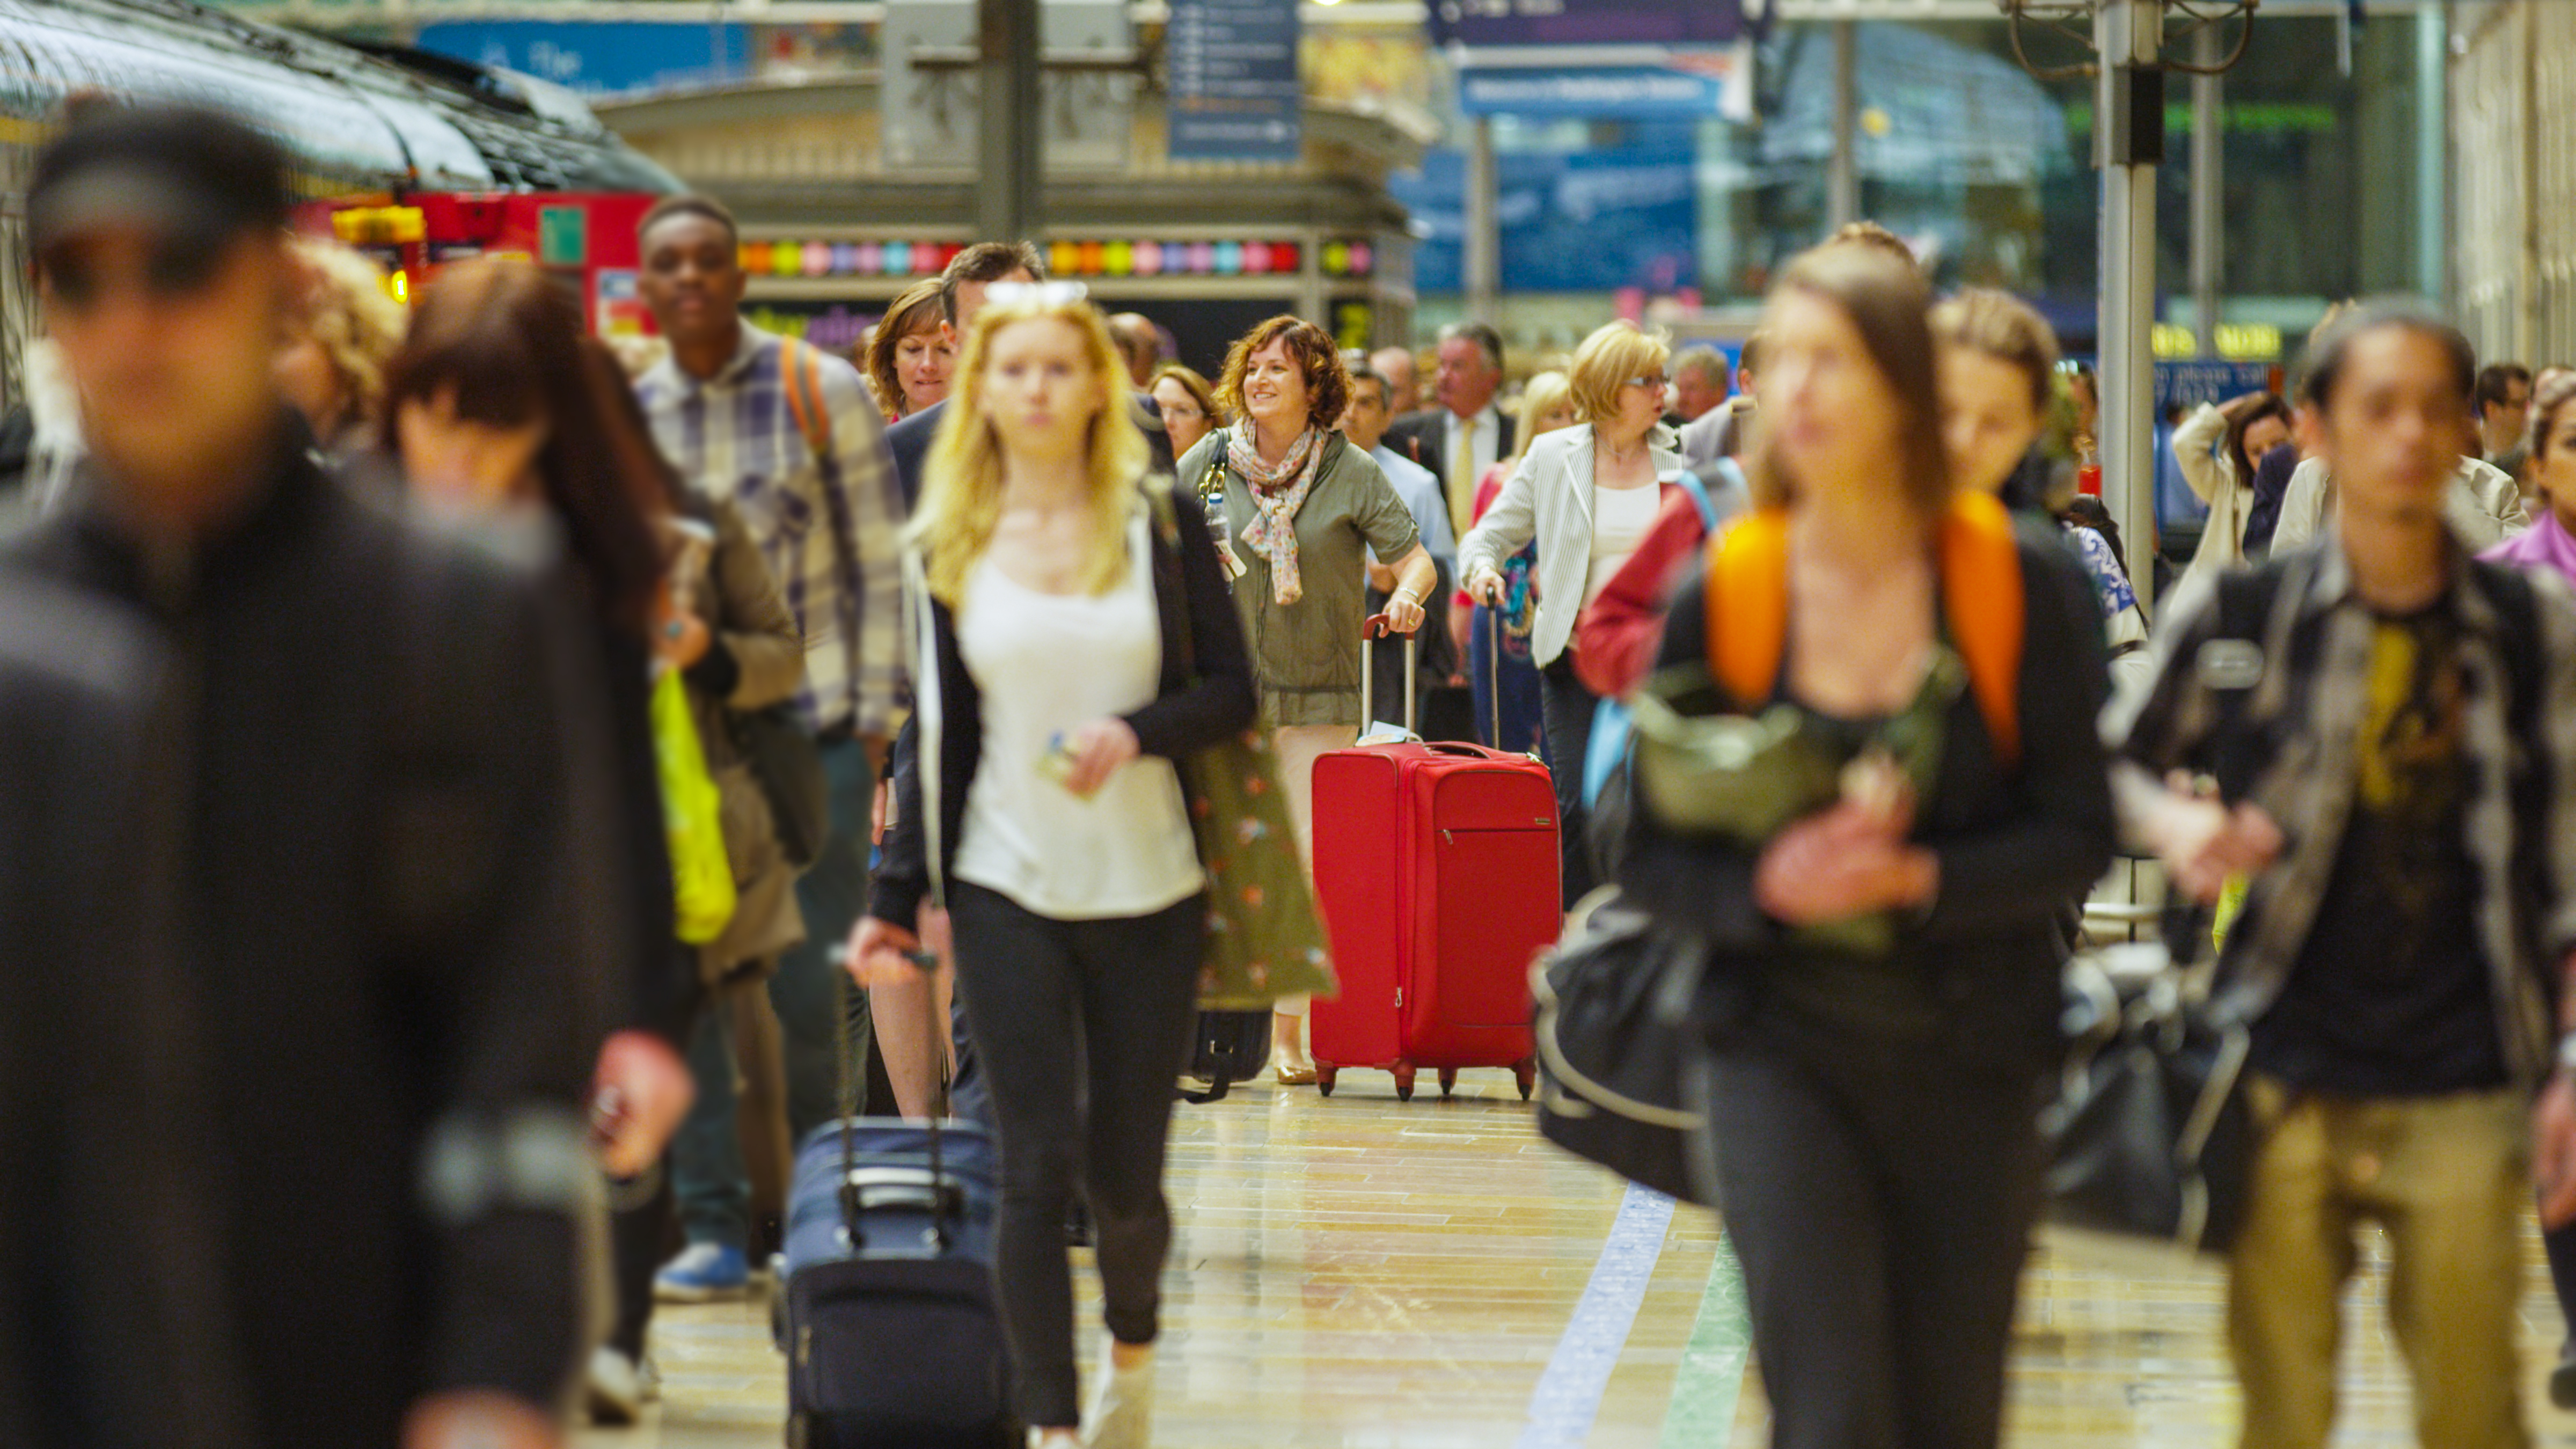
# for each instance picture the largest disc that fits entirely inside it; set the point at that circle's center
(1981, 595)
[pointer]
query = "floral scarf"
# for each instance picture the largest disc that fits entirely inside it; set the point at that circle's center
(1278, 491)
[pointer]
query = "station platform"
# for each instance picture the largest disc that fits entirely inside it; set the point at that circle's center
(1362, 1273)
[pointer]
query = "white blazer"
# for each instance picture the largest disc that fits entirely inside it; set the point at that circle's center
(1549, 498)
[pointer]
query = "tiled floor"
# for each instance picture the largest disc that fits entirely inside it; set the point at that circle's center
(1364, 1273)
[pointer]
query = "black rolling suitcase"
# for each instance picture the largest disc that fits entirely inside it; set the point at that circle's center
(885, 1304)
(1225, 1048)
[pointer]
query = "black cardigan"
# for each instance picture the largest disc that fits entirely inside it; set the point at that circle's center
(2015, 844)
(1206, 696)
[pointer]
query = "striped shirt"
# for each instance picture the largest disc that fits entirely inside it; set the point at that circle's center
(733, 436)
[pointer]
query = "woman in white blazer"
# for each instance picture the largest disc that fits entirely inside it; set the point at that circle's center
(1587, 495)
(2216, 448)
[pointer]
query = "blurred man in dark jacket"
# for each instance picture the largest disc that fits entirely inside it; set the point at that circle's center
(391, 919)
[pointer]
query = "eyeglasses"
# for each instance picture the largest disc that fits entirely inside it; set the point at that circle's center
(1652, 379)
(172, 271)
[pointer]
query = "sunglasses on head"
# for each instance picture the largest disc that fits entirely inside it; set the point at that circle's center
(173, 270)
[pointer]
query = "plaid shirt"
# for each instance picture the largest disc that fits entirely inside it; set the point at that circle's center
(2303, 673)
(733, 436)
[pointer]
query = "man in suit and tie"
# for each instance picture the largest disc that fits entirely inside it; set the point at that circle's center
(1466, 434)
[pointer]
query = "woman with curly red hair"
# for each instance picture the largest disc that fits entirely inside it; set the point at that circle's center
(1299, 506)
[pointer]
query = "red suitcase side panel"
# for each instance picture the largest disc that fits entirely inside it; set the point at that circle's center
(1485, 902)
(1358, 832)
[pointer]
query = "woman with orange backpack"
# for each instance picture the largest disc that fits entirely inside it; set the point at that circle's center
(1911, 684)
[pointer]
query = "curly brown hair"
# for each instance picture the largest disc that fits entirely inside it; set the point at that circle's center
(1328, 378)
(915, 312)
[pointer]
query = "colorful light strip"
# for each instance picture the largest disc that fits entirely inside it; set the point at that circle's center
(1232, 258)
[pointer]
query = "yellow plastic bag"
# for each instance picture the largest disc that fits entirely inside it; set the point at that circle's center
(701, 874)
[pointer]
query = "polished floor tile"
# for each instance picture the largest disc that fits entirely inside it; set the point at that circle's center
(1359, 1273)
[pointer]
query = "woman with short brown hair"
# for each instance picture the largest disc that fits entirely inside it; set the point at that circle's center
(1299, 503)
(910, 353)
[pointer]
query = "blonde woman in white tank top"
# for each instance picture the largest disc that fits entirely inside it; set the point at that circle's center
(1041, 795)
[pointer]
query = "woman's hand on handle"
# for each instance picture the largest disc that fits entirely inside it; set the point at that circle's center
(1485, 586)
(880, 953)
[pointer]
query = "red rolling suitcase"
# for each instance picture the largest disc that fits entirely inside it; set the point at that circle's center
(1436, 865)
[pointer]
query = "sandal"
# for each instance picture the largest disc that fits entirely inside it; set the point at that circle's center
(1296, 1076)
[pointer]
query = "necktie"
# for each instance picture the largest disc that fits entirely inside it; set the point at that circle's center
(1462, 479)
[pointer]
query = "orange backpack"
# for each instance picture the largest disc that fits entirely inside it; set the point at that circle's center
(1981, 598)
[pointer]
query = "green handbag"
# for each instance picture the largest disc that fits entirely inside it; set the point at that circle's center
(1265, 938)
(1699, 769)
(1702, 769)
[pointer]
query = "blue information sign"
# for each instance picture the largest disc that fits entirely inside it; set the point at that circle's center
(1234, 90)
(1628, 92)
(599, 57)
(1475, 23)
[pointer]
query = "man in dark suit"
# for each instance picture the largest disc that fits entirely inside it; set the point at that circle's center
(961, 295)
(1466, 434)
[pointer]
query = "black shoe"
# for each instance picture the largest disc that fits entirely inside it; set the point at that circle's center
(2562, 1379)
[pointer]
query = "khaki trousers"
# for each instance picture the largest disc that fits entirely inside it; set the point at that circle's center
(1296, 748)
(2448, 1179)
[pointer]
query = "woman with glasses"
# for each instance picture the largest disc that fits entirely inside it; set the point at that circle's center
(1586, 496)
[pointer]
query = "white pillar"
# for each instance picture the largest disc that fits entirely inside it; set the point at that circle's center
(2127, 35)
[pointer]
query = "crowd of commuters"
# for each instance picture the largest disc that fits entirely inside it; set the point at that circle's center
(339, 861)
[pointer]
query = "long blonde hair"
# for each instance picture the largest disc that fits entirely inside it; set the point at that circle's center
(961, 500)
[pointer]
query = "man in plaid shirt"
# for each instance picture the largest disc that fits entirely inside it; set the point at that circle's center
(828, 520)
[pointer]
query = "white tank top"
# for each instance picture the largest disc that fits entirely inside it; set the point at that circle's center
(1047, 664)
(1621, 519)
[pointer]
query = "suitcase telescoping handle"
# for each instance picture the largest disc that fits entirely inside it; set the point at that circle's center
(1370, 628)
(946, 1197)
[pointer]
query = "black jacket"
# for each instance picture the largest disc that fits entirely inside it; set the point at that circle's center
(1200, 703)
(112, 1329)
(399, 920)
(2014, 844)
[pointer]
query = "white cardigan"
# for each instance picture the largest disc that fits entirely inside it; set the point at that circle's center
(1549, 498)
(2213, 476)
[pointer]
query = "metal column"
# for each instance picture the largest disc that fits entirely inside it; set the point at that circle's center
(2127, 37)
(2208, 194)
(1484, 259)
(2432, 154)
(1842, 174)
(1010, 181)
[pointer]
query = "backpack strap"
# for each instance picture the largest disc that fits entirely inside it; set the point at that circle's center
(1981, 595)
(1689, 483)
(800, 373)
(1748, 604)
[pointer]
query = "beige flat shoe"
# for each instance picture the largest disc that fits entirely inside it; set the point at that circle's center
(1296, 1076)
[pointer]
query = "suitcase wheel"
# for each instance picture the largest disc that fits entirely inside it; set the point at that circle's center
(1404, 1081)
(1325, 1075)
(1525, 1071)
(1448, 1081)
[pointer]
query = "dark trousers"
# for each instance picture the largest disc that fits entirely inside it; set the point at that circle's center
(1079, 1028)
(707, 1158)
(637, 1231)
(2560, 1244)
(1566, 707)
(1881, 1206)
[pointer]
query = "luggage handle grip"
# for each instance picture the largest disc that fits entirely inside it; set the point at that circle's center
(1373, 628)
